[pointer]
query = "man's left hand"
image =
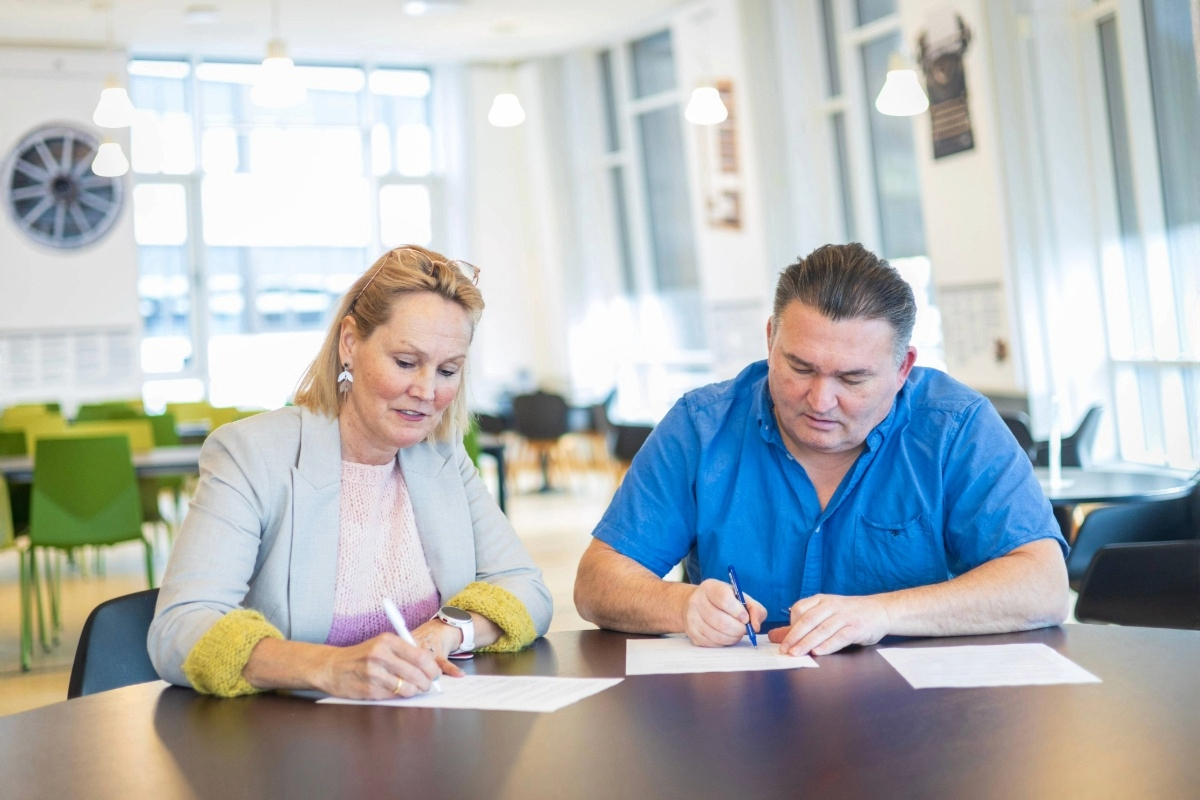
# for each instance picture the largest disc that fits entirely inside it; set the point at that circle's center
(825, 623)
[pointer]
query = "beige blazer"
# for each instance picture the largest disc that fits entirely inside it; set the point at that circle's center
(262, 533)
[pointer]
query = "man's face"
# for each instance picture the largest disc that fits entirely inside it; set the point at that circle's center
(832, 382)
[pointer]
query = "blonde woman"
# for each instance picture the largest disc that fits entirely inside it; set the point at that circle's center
(306, 518)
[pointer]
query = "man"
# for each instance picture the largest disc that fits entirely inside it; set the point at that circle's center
(856, 495)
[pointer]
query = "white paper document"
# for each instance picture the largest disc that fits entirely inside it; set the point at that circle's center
(984, 665)
(674, 655)
(498, 693)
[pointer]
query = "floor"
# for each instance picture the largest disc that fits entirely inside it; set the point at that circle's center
(555, 526)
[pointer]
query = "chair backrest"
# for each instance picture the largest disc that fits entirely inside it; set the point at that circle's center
(84, 492)
(1077, 448)
(539, 416)
(626, 440)
(1018, 424)
(1155, 521)
(112, 649)
(139, 431)
(165, 432)
(490, 423)
(14, 417)
(8, 532)
(101, 411)
(12, 443)
(190, 412)
(37, 427)
(1156, 585)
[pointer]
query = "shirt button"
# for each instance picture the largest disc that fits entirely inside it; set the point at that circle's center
(790, 457)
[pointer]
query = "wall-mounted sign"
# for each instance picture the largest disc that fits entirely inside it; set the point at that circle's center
(946, 82)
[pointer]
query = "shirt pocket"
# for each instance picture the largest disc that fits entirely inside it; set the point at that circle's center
(896, 555)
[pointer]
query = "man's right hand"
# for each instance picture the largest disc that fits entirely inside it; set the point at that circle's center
(712, 616)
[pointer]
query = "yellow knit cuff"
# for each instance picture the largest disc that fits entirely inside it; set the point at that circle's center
(504, 609)
(216, 661)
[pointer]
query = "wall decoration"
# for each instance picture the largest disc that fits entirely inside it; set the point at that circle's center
(946, 82)
(52, 194)
(720, 166)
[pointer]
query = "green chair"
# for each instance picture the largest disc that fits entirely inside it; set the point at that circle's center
(12, 443)
(165, 435)
(9, 540)
(103, 411)
(471, 442)
(84, 493)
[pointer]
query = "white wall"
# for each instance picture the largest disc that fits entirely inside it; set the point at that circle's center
(516, 335)
(78, 305)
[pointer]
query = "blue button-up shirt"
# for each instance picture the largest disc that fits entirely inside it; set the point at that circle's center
(940, 487)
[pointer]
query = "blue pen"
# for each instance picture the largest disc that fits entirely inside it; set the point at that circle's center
(737, 591)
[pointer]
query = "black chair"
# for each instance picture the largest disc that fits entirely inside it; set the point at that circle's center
(490, 423)
(112, 649)
(624, 443)
(1155, 585)
(1018, 424)
(1076, 448)
(1154, 521)
(541, 418)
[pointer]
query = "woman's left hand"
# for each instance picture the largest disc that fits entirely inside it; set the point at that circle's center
(440, 639)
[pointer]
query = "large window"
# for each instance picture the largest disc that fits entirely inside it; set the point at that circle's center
(878, 185)
(1152, 277)
(251, 222)
(659, 319)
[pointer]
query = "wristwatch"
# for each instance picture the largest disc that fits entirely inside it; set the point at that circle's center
(460, 619)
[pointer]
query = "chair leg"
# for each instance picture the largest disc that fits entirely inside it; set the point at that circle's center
(53, 561)
(35, 586)
(149, 562)
(26, 611)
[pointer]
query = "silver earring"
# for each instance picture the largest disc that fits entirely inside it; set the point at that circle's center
(345, 380)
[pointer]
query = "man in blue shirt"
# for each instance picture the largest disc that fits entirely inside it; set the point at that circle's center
(856, 495)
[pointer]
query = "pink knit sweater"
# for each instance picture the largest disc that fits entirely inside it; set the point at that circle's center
(379, 555)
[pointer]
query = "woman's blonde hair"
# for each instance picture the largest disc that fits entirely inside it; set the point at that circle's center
(370, 301)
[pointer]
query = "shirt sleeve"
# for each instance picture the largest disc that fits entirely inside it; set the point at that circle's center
(993, 501)
(652, 517)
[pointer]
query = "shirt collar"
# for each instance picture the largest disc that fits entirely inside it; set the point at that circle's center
(764, 410)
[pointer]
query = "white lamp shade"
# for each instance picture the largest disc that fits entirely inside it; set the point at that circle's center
(901, 95)
(705, 107)
(506, 111)
(110, 162)
(115, 110)
(278, 84)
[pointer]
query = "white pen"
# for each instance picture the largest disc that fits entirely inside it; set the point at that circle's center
(393, 615)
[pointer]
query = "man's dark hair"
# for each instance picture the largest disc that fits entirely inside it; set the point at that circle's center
(848, 281)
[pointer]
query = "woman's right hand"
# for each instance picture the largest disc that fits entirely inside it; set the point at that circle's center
(372, 670)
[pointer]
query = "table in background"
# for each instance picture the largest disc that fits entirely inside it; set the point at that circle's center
(156, 463)
(852, 728)
(1115, 485)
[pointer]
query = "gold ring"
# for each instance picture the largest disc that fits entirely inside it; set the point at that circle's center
(399, 684)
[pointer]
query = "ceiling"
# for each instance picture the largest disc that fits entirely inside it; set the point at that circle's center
(379, 30)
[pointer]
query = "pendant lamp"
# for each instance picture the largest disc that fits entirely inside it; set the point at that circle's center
(506, 111)
(901, 95)
(705, 107)
(278, 84)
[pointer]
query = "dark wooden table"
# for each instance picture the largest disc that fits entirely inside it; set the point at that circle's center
(853, 728)
(159, 462)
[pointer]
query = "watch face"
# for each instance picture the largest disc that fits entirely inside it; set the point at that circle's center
(453, 614)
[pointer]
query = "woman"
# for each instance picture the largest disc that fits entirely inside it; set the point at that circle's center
(306, 518)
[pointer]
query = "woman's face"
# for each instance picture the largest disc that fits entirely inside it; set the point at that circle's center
(405, 375)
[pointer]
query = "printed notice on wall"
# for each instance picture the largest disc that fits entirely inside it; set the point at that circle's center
(973, 328)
